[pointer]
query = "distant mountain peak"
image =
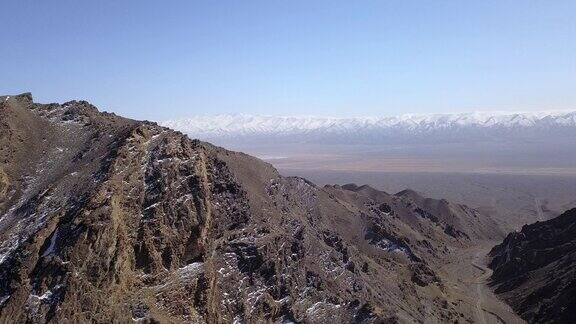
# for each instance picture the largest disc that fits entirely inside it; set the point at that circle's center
(230, 126)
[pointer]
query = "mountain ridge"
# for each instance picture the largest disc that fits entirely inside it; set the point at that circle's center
(110, 219)
(232, 125)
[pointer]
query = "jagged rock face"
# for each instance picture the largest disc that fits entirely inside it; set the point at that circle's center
(105, 219)
(535, 270)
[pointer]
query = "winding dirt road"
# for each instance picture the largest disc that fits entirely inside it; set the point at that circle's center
(477, 263)
(469, 270)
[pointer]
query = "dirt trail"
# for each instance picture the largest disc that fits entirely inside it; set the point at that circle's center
(487, 272)
(469, 271)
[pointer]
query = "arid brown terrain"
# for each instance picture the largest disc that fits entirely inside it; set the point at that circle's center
(106, 219)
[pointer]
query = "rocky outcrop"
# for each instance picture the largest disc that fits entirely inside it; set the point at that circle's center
(535, 270)
(106, 219)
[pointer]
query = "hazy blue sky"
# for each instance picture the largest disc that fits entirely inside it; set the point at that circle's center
(166, 59)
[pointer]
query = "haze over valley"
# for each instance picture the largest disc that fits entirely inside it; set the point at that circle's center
(537, 143)
(499, 161)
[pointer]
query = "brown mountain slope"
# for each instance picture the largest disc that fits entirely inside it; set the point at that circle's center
(105, 219)
(535, 270)
(426, 215)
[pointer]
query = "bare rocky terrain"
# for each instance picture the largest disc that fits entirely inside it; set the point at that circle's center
(511, 200)
(106, 219)
(535, 270)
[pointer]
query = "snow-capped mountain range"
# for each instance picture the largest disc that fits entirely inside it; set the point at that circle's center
(476, 123)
